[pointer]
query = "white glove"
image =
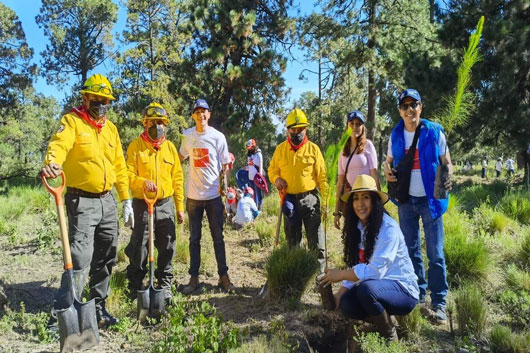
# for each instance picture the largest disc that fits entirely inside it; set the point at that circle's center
(128, 213)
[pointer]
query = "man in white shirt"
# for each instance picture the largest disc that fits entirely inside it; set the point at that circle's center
(510, 165)
(207, 150)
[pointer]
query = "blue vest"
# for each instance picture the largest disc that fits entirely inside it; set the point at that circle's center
(429, 161)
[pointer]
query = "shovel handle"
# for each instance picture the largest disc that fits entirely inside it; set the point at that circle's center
(150, 201)
(279, 222)
(57, 193)
(150, 219)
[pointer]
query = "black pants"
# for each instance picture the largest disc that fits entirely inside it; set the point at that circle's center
(165, 242)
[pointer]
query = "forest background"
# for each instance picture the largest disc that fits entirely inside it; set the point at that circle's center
(235, 54)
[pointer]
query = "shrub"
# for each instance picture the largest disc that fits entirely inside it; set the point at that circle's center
(516, 206)
(271, 204)
(466, 256)
(503, 340)
(471, 197)
(410, 324)
(516, 306)
(471, 310)
(261, 344)
(489, 220)
(289, 272)
(196, 328)
(517, 279)
(266, 232)
(373, 343)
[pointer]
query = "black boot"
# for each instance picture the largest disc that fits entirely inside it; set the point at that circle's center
(384, 326)
(104, 318)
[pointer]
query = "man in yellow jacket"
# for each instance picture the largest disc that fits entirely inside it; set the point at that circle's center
(88, 148)
(298, 168)
(153, 165)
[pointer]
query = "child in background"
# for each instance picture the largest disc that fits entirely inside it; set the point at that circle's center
(247, 210)
(231, 204)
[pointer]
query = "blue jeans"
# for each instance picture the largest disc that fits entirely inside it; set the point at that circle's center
(373, 296)
(409, 215)
(242, 180)
(214, 211)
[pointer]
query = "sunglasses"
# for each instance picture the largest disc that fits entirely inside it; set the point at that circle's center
(99, 89)
(155, 111)
(406, 106)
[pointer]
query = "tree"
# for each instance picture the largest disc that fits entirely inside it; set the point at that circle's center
(80, 37)
(15, 55)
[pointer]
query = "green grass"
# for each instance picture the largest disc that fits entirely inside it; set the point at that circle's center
(289, 272)
(503, 340)
(515, 305)
(524, 252)
(517, 279)
(266, 231)
(411, 323)
(517, 206)
(271, 204)
(262, 344)
(373, 343)
(471, 310)
(490, 221)
(473, 196)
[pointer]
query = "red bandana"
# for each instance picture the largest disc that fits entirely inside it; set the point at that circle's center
(81, 111)
(156, 144)
(297, 147)
(361, 256)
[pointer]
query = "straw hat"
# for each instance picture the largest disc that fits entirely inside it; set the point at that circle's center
(365, 182)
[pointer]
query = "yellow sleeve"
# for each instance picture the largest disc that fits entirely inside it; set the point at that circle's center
(136, 182)
(62, 142)
(122, 180)
(320, 175)
(274, 167)
(178, 182)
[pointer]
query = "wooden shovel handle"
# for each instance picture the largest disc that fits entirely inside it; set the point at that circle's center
(59, 202)
(279, 222)
(150, 224)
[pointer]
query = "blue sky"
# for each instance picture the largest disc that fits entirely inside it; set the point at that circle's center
(26, 10)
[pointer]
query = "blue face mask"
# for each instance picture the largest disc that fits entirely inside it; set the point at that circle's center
(97, 109)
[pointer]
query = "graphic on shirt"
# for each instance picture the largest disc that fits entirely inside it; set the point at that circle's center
(201, 157)
(416, 164)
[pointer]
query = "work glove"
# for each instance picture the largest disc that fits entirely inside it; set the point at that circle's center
(128, 213)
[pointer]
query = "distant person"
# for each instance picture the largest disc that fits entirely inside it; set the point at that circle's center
(357, 157)
(510, 166)
(231, 204)
(87, 146)
(431, 150)
(484, 168)
(498, 167)
(153, 166)
(255, 165)
(298, 167)
(379, 280)
(247, 210)
(207, 150)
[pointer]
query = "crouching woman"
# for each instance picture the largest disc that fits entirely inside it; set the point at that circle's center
(380, 279)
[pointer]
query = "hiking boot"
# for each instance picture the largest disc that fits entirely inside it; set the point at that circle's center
(225, 284)
(384, 326)
(440, 314)
(192, 286)
(104, 318)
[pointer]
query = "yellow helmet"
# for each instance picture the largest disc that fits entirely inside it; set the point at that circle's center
(98, 85)
(154, 111)
(296, 118)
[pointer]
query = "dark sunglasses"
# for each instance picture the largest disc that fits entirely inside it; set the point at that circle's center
(406, 106)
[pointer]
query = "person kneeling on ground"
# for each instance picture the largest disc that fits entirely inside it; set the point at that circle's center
(231, 204)
(380, 279)
(247, 210)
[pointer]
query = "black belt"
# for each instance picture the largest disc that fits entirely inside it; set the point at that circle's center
(93, 195)
(303, 194)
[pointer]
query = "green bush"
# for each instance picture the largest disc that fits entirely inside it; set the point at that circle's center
(410, 324)
(471, 197)
(196, 328)
(289, 272)
(516, 306)
(266, 232)
(524, 252)
(516, 206)
(466, 256)
(503, 340)
(489, 220)
(517, 279)
(271, 204)
(373, 343)
(261, 344)
(471, 310)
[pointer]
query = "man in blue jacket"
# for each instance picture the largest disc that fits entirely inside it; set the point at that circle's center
(431, 150)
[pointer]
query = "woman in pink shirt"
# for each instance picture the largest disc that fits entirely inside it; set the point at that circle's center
(358, 157)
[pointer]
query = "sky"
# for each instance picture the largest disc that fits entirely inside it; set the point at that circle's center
(26, 10)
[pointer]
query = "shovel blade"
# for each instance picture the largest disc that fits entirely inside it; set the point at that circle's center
(150, 303)
(78, 328)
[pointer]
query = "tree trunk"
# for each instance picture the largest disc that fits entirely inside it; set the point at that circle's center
(372, 93)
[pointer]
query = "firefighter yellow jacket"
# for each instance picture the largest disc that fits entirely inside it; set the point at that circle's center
(162, 167)
(304, 170)
(92, 161)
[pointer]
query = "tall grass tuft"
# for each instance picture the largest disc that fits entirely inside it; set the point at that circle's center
(373, 343)
(471, 197)
(503, 340)
(466, 256)
(410, 324)
(271, 204)
(489, 220)
(289, 272)
(265, 231)
(471, 310)
(524, 252)
(517, 279)
(516, 206)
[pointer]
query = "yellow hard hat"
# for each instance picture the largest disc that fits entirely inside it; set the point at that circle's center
(154, 111)
(296, 118)
(98, 85)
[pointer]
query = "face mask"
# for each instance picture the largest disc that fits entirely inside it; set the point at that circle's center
(156, 132)
(296, 139)
(250, 152)
(97, 109)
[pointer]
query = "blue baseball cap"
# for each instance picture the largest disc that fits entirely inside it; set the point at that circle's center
(409, 92)
(356, 115)
(201, 103)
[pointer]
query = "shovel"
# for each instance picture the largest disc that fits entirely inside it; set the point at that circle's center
(263, 289)
(78, 328)
(150, 300)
